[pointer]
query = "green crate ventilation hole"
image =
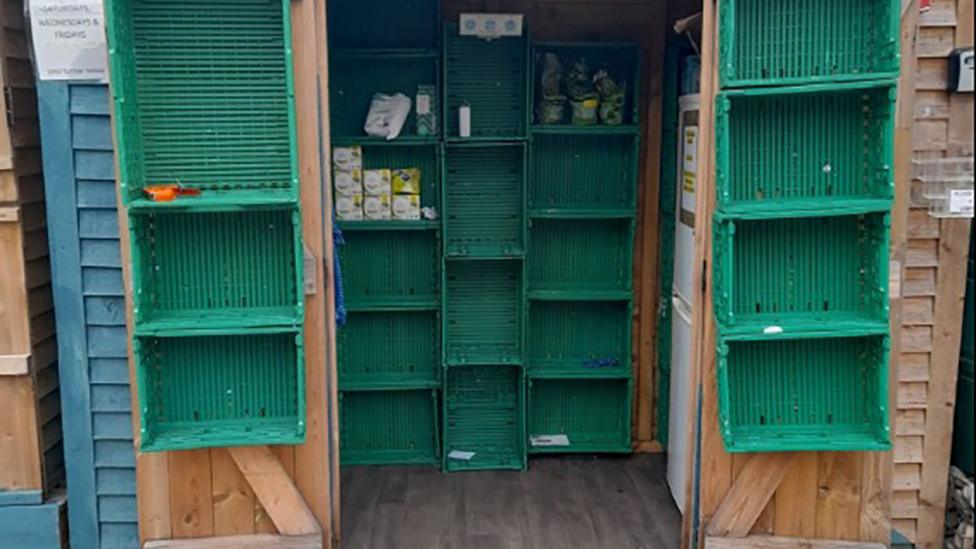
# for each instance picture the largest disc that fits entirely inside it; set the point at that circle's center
(768, 42)
(805, 395)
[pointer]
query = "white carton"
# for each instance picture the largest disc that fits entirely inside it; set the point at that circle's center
(347, 158)
(377, 182)
(349, 208)
(376, 208)
(406, 207)
(348, 182)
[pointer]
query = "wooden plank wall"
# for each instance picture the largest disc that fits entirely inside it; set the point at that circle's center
(642, 22)
(933, 286)
(826, 495)
(30, 426)
(202, 493)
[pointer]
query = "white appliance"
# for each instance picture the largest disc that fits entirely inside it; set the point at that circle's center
(678, 420)
(684, 234)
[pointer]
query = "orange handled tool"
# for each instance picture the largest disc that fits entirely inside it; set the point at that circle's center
(168, 193)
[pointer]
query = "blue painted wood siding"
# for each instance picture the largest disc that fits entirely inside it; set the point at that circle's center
(90, 308)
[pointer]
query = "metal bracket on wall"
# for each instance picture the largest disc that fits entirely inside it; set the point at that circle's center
(310, 272)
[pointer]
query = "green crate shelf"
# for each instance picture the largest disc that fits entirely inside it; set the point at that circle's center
(801, 274)
(483, 312)
(592, 414)
(804, 395)
(394, 225)
(569, 129)
(620, 60)
(354, 77)
(484, 413)
(579, 338)
(389, 350)
(220, 201)
(389, 427)
(805, 150)
(391, 269)
(484, 200)
(581, 255)
(771, 42)
(216, 271)
(584, 173)
(239, 390)
(381, 24)
(203, 95)
(491, 77)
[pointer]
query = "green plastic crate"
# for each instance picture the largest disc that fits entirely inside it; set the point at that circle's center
(383, 24)
(355, 76)
(576, 175)
(574, 415)
(581, 258)
(203, 95)
(484, 415)
(391, 270)
(579, 338)
(775, 278)
(786, 152)
(484, 200)
(483, 312)
(492, 78)
(804, 394)
(220, 272)
(620, 60)
(240, 390)
(389, 427)
(777, 42)
(390, 350)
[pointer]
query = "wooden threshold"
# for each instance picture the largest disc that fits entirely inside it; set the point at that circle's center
(773, 542)
(260, 541)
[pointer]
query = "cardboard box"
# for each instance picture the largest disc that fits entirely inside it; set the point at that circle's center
(377, 208)
(348, 182)
(347, 158)
(376, 182)
(406, 207)
(349, 208)
(406, 181)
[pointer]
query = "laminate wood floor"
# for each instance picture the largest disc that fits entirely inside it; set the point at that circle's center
(560, 502)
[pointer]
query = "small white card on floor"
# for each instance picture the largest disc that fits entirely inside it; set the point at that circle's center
(549, 440)
(458, 454)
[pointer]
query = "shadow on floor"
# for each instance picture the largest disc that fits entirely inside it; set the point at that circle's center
(559, 503)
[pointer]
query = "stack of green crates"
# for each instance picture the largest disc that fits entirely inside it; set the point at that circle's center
(484, 200)
(203, 99)
(804, 153)
(582, 206)
(389, 351)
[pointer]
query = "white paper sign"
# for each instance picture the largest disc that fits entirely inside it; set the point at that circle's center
(69, 39)
(544, 441)
(961, 202)
(460, 455)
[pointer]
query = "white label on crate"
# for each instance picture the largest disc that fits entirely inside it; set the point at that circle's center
(69, 39)
(549, 440)
(423, 104)
(961, 202)
(458, 454)
(773, 330)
